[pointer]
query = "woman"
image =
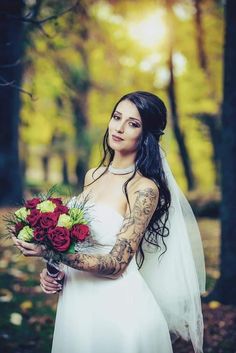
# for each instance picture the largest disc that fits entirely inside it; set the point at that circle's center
(141, 279)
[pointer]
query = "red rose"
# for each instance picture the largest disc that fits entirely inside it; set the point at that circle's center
(56, 200)
(80, 232)
(18, 227)
(33, 217)
(32, 203)
(59, 238)
(48, 220)
(61, 209)
(39, 234)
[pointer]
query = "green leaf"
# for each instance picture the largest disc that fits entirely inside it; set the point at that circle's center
(71, 249)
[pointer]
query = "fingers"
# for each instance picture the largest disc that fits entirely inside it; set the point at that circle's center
(60, 276)
(50, 288)
(26, 252)
(16, 242)
(47, 291)
(48, 284)
(25, 245)
(50, 279)
(28, 249)
(23, 251)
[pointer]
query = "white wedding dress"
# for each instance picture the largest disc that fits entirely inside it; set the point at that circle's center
(102, 315)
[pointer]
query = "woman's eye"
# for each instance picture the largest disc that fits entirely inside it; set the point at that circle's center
(117, 117)
(134, 125)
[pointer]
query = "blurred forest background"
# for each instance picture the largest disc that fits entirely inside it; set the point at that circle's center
(63, 66)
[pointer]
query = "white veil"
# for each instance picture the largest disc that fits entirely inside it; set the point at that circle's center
(177, 278)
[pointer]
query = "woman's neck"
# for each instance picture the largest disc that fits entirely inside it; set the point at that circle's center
(123, 161)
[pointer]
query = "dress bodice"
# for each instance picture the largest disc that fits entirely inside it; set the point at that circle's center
(105, 224)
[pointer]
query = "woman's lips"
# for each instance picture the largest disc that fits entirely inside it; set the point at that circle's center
(117, 139)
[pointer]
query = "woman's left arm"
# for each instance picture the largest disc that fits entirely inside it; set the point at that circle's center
(143, 202)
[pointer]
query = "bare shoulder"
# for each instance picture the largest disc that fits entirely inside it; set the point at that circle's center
(93, 174)
(144, 183)
(146, 189)
(143, 197)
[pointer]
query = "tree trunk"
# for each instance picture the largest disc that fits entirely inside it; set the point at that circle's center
(202, 58)
(80, 102)
(213, 124)
(225, 289)
(11, 47)
(202, 54)
(45, 164)
(81, 123)
(173, 107)
(65, 175)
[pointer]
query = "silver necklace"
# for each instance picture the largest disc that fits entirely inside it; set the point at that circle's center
(127, 170)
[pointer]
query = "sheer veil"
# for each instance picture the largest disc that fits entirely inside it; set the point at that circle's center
(177, 278)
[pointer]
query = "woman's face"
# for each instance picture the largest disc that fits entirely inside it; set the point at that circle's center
(125, 127)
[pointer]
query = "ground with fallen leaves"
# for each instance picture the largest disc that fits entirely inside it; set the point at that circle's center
(27, 315)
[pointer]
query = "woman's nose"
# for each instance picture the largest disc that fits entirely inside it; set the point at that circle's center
(120, 127)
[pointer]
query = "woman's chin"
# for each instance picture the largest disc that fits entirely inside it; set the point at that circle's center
(115, 146)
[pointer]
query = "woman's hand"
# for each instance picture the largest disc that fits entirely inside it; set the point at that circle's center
(29, 249)
(48, 284)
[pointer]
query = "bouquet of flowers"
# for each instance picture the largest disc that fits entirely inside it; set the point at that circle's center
(46, 220)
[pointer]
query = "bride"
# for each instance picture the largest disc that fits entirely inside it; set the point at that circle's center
(139, 287)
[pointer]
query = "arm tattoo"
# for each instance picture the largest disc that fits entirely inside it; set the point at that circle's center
(114, 263)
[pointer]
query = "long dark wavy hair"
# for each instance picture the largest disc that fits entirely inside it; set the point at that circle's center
(148, 162)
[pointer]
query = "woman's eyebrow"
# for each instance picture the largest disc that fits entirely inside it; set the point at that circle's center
(129, 117)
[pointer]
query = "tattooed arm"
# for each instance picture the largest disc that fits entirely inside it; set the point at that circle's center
(143, 203)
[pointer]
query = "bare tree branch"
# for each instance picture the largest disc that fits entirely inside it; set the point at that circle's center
(5, 83)
(54, 17)
(16, 63)
(30, 18)
(39, 23)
